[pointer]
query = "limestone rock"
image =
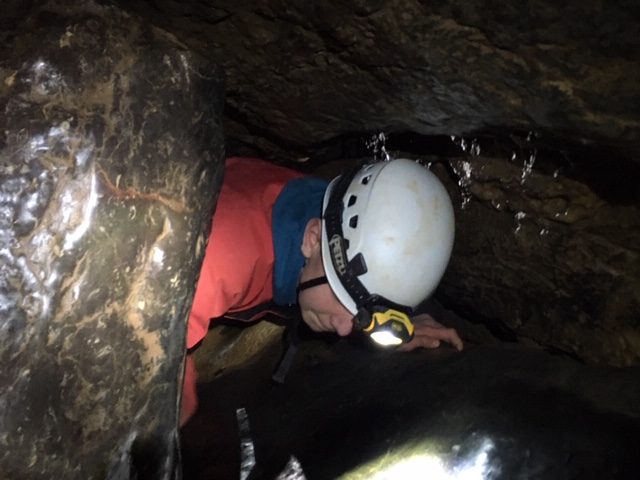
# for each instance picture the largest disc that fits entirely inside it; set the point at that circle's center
(110, 161)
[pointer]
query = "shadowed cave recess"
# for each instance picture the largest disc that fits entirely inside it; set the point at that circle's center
(530, 116)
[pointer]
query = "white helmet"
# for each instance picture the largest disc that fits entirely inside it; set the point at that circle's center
(387, 232)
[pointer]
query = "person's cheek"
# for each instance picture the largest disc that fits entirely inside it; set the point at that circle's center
(312, 322)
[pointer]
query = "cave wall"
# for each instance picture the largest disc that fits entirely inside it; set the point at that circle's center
(546, 257)
(111, 157)
(107, 119)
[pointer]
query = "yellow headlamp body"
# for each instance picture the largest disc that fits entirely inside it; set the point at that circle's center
(390, 327)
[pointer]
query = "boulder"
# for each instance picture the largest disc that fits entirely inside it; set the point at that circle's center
(491, 411)
(111, 157)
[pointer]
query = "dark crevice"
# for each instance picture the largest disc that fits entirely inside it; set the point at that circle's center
(235, 147)
(496, 326)
(563, 353)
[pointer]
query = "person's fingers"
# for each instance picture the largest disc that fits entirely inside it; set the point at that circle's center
(448, 335)
(438, 334)
(429, 342)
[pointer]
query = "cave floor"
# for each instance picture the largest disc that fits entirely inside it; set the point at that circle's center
(491, 411)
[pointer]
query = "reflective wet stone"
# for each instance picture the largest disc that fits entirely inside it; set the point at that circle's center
(110, 162)
(495, 411)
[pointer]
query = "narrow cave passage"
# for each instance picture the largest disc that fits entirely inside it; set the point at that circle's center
(117, 118)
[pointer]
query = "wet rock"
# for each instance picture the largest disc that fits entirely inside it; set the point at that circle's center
(110, 161)
(546, 256)
(226, 348)
(491, 411)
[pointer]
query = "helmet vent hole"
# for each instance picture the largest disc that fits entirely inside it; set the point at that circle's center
(365, 180)
(353, 221)
(352, 201)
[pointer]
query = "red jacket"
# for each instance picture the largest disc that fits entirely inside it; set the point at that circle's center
(237, 271)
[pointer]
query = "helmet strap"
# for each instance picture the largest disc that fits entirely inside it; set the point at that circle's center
(293, 340)
(314, 282)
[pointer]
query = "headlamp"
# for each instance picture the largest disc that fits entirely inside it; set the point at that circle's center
(385, 325)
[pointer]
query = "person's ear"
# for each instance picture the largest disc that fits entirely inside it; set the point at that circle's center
(312, 237)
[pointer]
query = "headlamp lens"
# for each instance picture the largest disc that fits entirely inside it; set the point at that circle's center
(385, 338)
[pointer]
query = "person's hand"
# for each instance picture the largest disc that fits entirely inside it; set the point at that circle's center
(429, 334)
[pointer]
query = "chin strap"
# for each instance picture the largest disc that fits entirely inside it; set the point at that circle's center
(293, 340)
(314, 282)
(290, 354)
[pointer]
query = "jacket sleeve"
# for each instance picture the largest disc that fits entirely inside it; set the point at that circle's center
(237, 271)
(212, 299)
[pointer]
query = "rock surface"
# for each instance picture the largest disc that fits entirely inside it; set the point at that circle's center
(110, 162)
(490, 411)
(555, 261)
(111, 130)
(302, 73)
